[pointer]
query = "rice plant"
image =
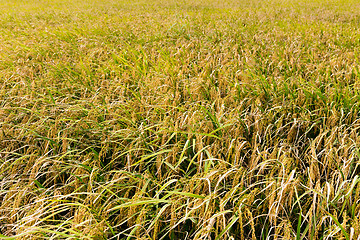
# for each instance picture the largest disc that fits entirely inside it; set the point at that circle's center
(233, 119)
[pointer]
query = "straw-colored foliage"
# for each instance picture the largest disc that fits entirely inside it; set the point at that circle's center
(181, 119)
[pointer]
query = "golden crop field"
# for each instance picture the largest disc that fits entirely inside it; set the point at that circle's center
(180, 119)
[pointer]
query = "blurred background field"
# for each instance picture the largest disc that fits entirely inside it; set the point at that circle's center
(233, 119)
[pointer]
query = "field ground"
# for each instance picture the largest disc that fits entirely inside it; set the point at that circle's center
(231, 119)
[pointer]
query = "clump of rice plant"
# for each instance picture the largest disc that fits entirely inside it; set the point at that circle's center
(179, 119)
